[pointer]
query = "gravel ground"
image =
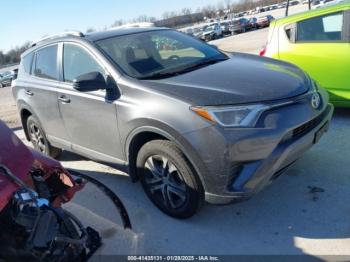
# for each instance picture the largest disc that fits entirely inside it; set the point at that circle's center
(8, 110)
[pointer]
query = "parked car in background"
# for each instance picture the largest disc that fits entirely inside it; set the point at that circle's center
(120, 98)
(225, 27)
(316, 4)
(318, 41)
(198, 31)
(211, 32)
(319, 3)
(239, 25)
(282, 5)
(291, 3)
(252, 23)
(7, 77)
(264, 21)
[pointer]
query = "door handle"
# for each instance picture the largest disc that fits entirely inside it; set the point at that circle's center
(29, 93)
(64, 99)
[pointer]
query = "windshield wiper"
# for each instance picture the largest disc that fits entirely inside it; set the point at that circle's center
(202, 64)
(159, 75)
(185, 70)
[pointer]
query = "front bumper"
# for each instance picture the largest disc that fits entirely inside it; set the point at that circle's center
(240, 162)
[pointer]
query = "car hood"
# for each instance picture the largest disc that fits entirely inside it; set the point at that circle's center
(16, 157)
(20, 160)
(241, 79)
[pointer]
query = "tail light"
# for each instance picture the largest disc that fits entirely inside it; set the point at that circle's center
(263, 51)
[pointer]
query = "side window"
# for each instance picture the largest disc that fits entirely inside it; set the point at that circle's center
(46, 63)
(322, 28)
(27, 62)
(290, 32)
(77, 61)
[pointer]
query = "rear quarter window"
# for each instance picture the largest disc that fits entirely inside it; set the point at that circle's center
(27, 62)
(46, 63)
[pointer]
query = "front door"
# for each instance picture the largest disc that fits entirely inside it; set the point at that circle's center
(89, 118)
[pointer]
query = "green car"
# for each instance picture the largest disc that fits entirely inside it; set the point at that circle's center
(318, 41)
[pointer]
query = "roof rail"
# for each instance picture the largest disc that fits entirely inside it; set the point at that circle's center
(66, 33)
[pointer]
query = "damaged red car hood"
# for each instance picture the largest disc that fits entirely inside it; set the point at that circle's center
(17, 158)
(20, 160)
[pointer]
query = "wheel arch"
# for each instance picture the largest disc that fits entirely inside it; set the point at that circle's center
(141, 135)
(25, 112)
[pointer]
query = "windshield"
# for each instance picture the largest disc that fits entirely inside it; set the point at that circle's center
(158, 53)
(209, 28)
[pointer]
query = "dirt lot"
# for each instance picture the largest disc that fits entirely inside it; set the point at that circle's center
(289, 217)
(8, 110)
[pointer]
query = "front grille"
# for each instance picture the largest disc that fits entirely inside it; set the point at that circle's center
(305, 128)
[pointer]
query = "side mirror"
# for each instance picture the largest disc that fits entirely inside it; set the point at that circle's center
(90, 82)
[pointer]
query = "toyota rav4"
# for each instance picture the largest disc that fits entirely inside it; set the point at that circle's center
(190, 122)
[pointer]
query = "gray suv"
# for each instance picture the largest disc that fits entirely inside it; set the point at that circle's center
(190, 122)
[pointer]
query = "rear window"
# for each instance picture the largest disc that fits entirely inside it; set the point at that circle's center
(46, 63)
(27, 62)
(322, 28)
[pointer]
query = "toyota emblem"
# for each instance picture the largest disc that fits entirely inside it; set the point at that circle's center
(315, 100)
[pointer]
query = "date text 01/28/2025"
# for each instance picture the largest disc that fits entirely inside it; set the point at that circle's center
(173, 258)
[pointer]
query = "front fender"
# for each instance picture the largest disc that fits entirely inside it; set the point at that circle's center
(159, 128)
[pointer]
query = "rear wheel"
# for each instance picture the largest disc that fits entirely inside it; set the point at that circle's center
(38, 138)
(168, 179)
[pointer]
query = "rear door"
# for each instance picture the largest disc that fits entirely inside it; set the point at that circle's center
(320, 45)
(41, 93)
(89, 117)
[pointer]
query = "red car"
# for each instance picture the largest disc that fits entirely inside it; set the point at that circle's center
(264, 21)
(33, 224)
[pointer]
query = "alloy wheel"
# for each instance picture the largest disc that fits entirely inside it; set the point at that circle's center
(165, 182)
(37, 138)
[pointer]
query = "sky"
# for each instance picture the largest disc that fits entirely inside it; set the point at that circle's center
(29, 20)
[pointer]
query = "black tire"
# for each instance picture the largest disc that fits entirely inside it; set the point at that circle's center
(39, 140)
(177, 191)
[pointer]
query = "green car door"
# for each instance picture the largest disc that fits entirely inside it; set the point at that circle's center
(320, 46)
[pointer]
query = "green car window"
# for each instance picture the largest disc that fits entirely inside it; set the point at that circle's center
(322, 28)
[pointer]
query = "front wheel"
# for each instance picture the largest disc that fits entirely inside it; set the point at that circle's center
(38, 138)
(169, 179)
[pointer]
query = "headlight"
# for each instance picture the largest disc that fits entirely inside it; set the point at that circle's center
(232, 116)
